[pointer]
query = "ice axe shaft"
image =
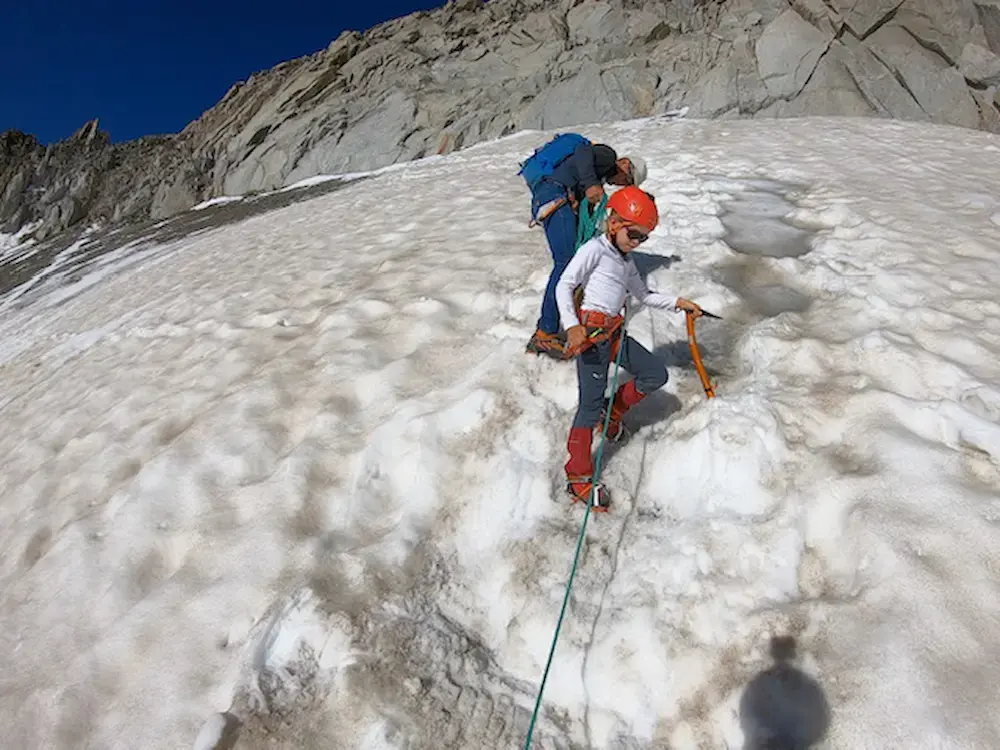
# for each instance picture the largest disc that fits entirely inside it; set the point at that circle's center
(696, 355)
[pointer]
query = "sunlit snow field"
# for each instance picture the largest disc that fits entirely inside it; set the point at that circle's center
(298, 468)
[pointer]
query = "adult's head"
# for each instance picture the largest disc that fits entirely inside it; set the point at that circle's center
(631, 171)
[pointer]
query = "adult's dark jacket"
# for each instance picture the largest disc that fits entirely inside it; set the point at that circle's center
(586, 166)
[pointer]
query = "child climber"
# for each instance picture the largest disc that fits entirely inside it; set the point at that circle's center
(607, 274)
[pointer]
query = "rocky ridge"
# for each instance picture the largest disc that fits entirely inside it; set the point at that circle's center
(436, 81)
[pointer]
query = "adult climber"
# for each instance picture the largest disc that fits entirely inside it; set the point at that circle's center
(557, 191)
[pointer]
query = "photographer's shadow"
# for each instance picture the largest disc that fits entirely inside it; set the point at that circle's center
(783, 708)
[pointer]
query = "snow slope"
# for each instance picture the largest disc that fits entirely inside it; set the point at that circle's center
(300, 470)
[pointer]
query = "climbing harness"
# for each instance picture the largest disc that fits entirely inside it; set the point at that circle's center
(589, 222)
(600, 327)
(545, 211)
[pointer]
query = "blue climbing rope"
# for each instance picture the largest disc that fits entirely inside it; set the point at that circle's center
(579, 541)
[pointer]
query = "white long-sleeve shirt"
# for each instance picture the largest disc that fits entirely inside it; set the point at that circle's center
(607, 277)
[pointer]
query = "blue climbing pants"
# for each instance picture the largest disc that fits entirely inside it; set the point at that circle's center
(648, 369)
(560, 232)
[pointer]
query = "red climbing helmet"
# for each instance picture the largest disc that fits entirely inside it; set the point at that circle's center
(635, 206)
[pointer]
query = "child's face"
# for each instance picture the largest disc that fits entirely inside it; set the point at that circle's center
(629, 237)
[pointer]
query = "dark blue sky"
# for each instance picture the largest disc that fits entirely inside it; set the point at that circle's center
(151, 66)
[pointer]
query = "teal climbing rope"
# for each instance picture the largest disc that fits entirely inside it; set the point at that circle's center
(589, 221)
(579, 541)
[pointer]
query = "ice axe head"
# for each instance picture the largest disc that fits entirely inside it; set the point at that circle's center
(707, 314)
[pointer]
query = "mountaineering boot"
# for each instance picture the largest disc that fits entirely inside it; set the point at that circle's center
(552, 344)
(626, 397)
(580, 470)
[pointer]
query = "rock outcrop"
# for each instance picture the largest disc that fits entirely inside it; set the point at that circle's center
(436, 81)
(87, 178)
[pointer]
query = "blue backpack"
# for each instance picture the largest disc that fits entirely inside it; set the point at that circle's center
(546, 158)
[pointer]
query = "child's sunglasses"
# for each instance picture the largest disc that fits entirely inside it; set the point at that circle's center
(636, 235)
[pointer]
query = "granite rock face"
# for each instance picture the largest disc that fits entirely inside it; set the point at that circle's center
(436, 81)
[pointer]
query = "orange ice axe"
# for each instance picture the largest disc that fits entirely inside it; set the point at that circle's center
(695, 354)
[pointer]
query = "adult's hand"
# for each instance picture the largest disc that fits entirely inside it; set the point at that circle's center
(594, 194)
